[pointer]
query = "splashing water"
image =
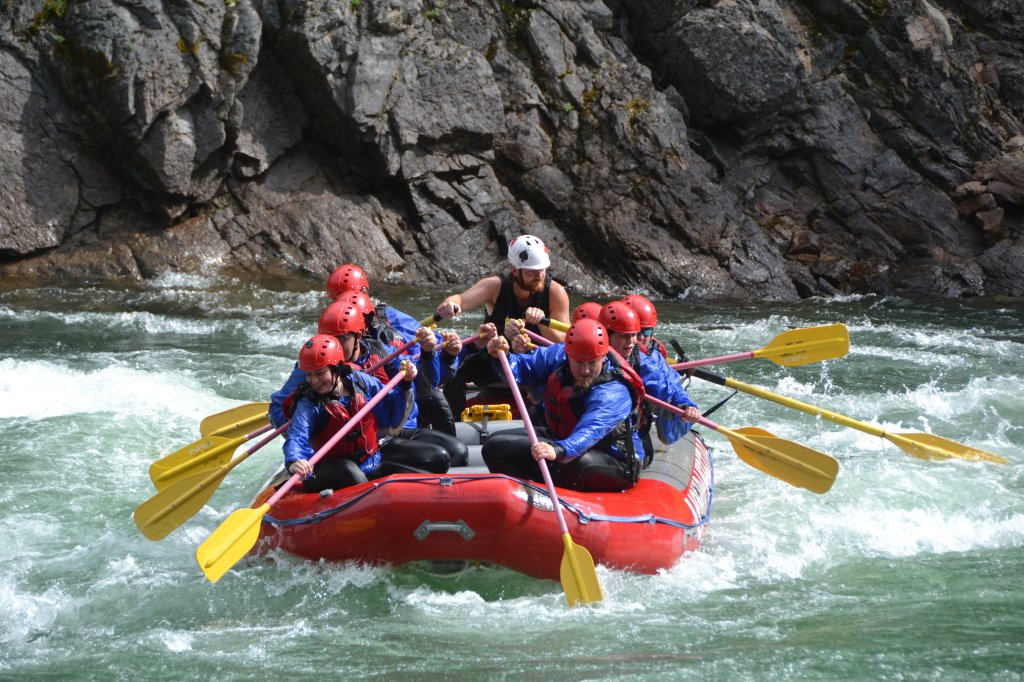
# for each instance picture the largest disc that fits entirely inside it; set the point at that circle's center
(906, 568)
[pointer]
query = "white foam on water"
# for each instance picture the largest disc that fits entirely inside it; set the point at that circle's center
(181, 280)
(29, 389)
(174, 641)
(917, 531)
(139, 321)
(25, 613)
(789, 386)
(699, 573)
(464, 603)
(909, 356)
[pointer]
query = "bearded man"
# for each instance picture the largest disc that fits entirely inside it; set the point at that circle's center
(527, 292)
(590, 412)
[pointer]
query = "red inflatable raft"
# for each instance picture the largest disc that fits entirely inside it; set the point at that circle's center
(471, 515)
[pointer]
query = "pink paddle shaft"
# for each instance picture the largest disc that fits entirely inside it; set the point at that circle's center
(538, 339)
(391, 356)
(262, 429)
(672, 408)
(511, 379)
(263, 441)
(713, 361)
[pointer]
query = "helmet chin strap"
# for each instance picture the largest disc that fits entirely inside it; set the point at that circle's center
(517, 277)
(355, 347)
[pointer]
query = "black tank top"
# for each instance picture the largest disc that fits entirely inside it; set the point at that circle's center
(507, 306)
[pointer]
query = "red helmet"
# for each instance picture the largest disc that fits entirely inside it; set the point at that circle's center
(589, 310)
(586, 340)
(644, 309)
(345, 278)
(340, 318)
(320, 351)
(361, 301)
(619, 317)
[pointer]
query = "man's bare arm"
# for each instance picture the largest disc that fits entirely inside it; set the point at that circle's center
(484, 292)
(558, 299)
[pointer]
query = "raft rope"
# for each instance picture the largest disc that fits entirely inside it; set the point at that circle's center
(583, 517)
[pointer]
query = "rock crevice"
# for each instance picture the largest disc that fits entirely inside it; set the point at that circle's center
(731, 149)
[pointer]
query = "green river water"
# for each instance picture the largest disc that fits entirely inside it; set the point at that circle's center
(907, 569)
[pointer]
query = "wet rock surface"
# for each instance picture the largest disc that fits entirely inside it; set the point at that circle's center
(734, 149)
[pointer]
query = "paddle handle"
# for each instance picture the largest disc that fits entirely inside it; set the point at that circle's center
(676, 410)
(342, 432)
(216, 474)
(734, 436)
(259, 444)
(518, 397)
(213, 453)
(431, 320)
(557, 325)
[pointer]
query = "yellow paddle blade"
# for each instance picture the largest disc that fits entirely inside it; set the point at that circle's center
(804, 346)
(201, 455)
(796, 464)
(237, 421)
(578, 575)
(930, 446)
(177, 503)
(230, 542)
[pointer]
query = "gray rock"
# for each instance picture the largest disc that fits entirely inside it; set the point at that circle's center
(741, 149)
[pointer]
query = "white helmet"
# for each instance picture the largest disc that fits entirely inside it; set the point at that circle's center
(526, 252)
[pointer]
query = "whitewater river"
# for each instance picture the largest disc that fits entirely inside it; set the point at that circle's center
(906, 569)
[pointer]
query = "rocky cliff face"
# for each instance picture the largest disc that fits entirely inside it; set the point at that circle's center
(741, 148)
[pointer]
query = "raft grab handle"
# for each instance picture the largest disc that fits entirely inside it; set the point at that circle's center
(428, 527)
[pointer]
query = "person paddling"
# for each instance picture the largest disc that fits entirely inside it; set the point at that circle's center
(393, 327)
(648, 316)
(514, 299)
(525, 293)
(660, 380)
(321, 405)
(384, 322)
(345, 322)
(590, 413)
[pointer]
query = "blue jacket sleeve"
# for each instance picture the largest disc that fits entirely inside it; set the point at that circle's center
(275, 412)
(389, 412)
(662, 382)
(305, 422)
(533, 369)
(429, 366)
(607, 405)
(392, 368)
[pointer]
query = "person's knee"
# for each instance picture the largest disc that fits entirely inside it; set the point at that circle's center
(435, 458)
(457, 450)
(492, 453)
(334, 474)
